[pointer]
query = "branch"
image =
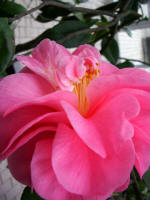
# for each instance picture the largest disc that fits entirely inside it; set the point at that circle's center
(103, 27)
(33, 43)
(62, 5)
(136, 186)
(135, 60)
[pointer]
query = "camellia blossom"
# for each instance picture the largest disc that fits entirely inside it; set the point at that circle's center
(72, 126)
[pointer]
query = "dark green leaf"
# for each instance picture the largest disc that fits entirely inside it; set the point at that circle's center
(125, 64)
(68, 27)
(80, 16)
(109, 7)
(129, 19)
(128, 31)
(10, 9)
(111, 52)
(80, 1)
(144, 1)
(28, 195)
(6, 44)
(58, 32)
(51, 12)
(146, 178)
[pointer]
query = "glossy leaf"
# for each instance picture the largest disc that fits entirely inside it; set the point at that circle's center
(49, 13)
(111, 51)
(29, 195)
(80, 1)
(125, 64)
(59, 32)
(6, 44)
(146, 178)
(10, 9)
(65, 28)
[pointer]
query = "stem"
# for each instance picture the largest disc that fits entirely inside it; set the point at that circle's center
(135, 60)
(105, 26)
(62, 5)
(136, 186)
(33, 43)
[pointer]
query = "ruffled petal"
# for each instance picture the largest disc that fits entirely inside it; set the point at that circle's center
(20, 88)
(105, 85)
(142, 151)
(81, 171)
(86, 50)
(48, 121)
(43, 178)
(19, 161)
(17, 120)
(102, 131)
(107, 68)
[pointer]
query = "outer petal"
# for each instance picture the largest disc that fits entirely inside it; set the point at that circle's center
(102, 131)
(17, 120)
(107, 68)
(47, 51)
(27, 132)
(105, 85)
(81, 171)
(43, 178)
(87, 51)
(19, 162)
(49, 60)
(142, 151)
(90, 56)
(20, 88)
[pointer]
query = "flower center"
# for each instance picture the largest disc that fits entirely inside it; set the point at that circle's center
(80, 89)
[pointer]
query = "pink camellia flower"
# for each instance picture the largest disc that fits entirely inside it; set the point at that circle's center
(73, 126)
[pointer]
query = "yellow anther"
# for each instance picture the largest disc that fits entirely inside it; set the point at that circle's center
(80, 89)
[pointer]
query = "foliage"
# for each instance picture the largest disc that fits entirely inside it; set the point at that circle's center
(76, 26)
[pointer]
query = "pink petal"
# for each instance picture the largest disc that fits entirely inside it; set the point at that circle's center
(107, 68)
(49, 60)
(46, 51)
(81, 171)
(85, 129)
(20, 88)
(102, 131)
(87, 51)
(90, 56)
(52, 100)
(19, 161)
(48, 122)
(142, 151)
(18, 119)
(106, 85)
(43, 178)
(143, 121)
(124, 186)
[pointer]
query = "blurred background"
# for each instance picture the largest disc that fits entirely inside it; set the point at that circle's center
(133, 41)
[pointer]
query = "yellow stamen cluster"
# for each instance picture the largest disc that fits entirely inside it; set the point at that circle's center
(80, 90)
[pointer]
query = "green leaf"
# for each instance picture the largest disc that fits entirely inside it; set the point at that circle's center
(28, 195)
(69, 27)
(80, 16)
(146, 178)
(144, 1)
(128, 31)
(111, 52)
(125, 64)
(49, 13)
(10, 9)
(58, 32)
(80, 1)
(6, 44)
(109, 7)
